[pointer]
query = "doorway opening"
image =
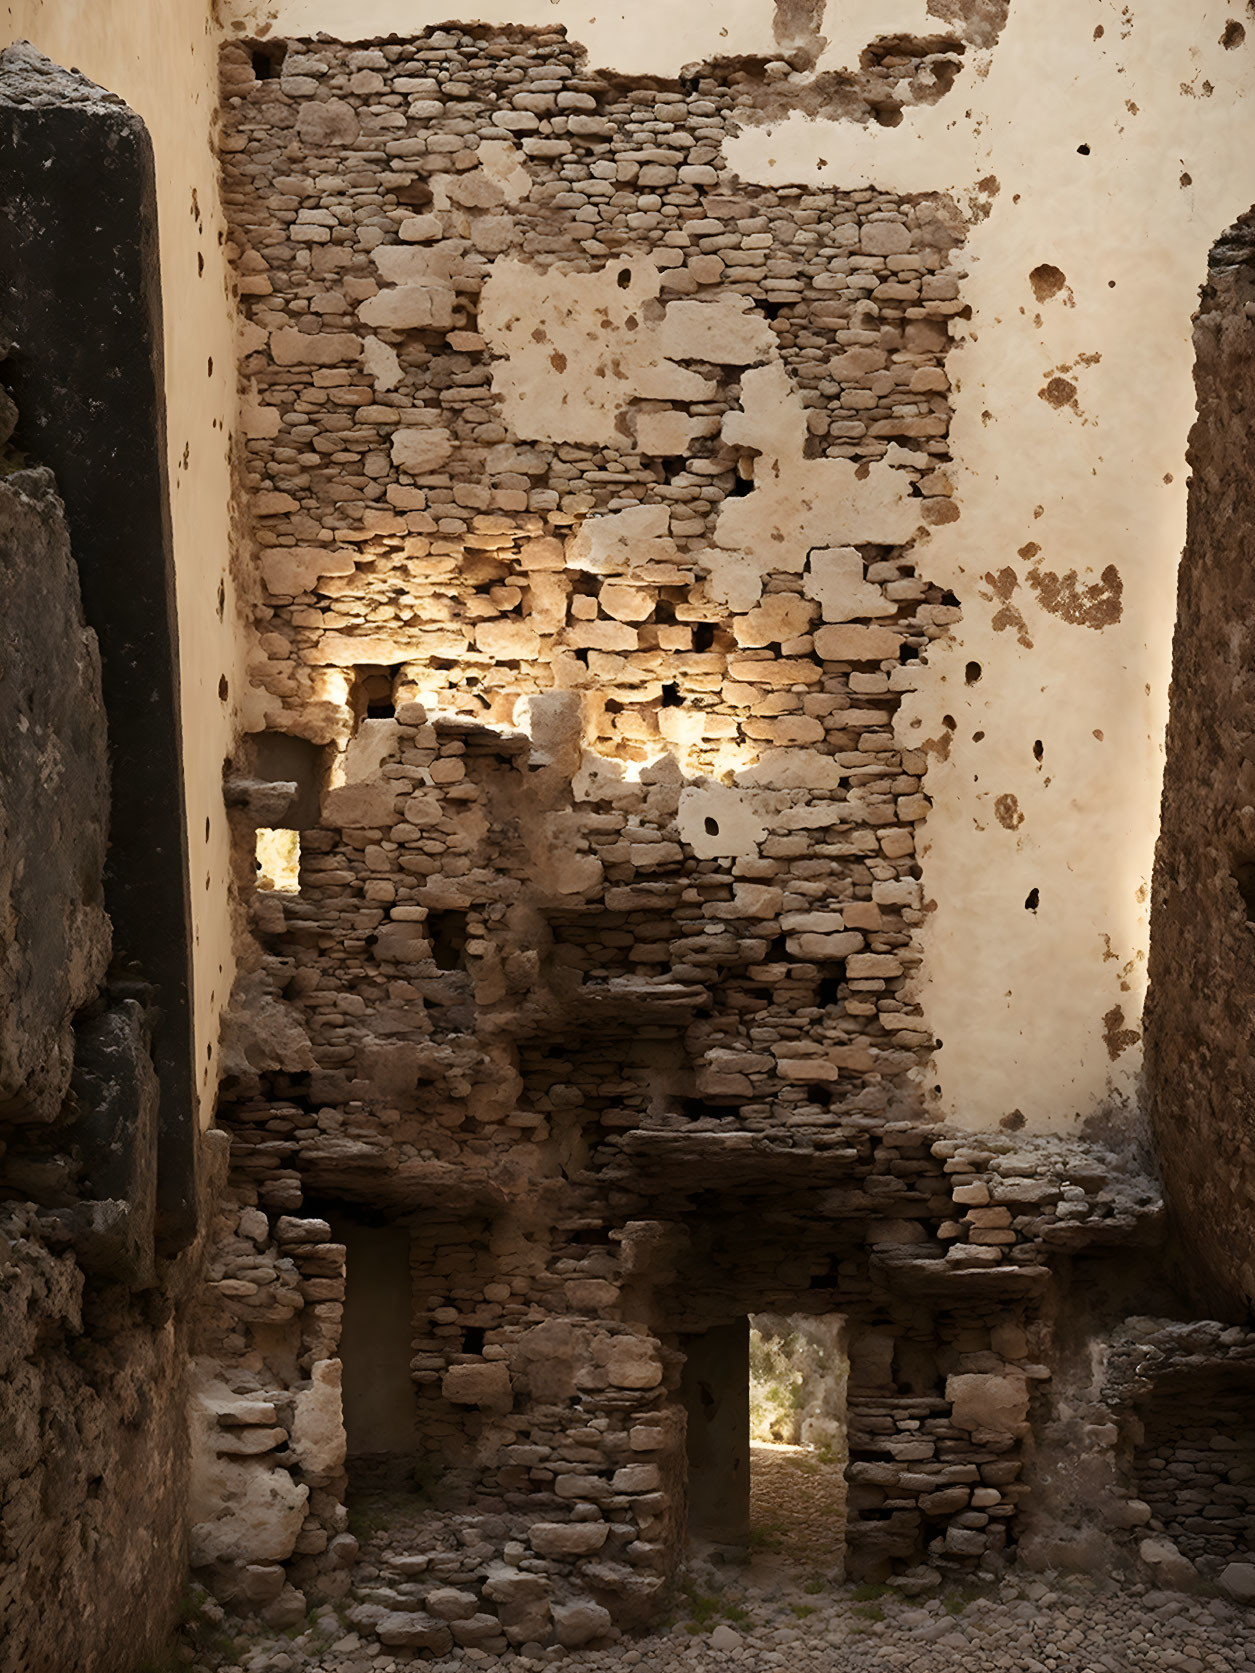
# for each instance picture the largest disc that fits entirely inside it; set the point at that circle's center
(765, 1402)
(380, 1401)
(798, 1371)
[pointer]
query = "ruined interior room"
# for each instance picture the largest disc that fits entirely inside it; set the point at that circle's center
(627, 835)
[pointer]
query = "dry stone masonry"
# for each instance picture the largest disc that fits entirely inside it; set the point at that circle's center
(589, 491)
(599, 714)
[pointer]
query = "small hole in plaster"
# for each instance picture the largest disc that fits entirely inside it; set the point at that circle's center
(977, 736)
(223, 689)
(1234, 35)
(950, 601)
(1033, 900)
(1038, 750)
(625, 277)
(949, 722)
(972, 672)
(742, 485)
(711, 825)
(1082, 150)
(671, 699)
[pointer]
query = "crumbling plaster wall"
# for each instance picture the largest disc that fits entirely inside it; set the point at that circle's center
(161, 57)
(1099, 149)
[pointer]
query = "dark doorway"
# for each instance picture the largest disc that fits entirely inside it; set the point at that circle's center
(380, 1406)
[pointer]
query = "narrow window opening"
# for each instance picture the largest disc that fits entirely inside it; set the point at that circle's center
(711, 826)
(703, 636)
(278, 860)
(374, 694)
(830, 984)
(267, 58)
(671, 698)
(447, 933)
(777, 950)
(473, 1339)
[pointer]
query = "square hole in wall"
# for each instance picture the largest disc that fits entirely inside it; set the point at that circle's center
(279, 860)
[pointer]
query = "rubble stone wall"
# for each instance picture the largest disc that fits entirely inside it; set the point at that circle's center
(1203, 941)
(590, 490)
(92, 1355)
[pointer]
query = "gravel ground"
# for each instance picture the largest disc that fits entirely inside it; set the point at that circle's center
(797, 1506)
(789, 1611)
(770, 1616)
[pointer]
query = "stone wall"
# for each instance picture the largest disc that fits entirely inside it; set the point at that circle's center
(1202, 966)
(589, 492)
(92, 1352)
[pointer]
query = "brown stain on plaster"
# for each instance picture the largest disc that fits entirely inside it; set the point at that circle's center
(1047, 281)
(1098, 605)
(796, 27)
(1059, 392)
(1004, 584)
(1007, 809)
(1118, 1038)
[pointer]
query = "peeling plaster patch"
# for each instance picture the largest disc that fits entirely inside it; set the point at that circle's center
(851, 25)
(1117, 1037)
(1098, 605)
(381, 363)
(718, 821)
(607, 323)
(796, 27)
(798, 504)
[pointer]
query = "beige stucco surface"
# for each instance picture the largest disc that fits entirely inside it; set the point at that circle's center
(1036, 1009)
(161, 57)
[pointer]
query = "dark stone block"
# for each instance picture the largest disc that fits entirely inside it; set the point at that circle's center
(80, 306)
